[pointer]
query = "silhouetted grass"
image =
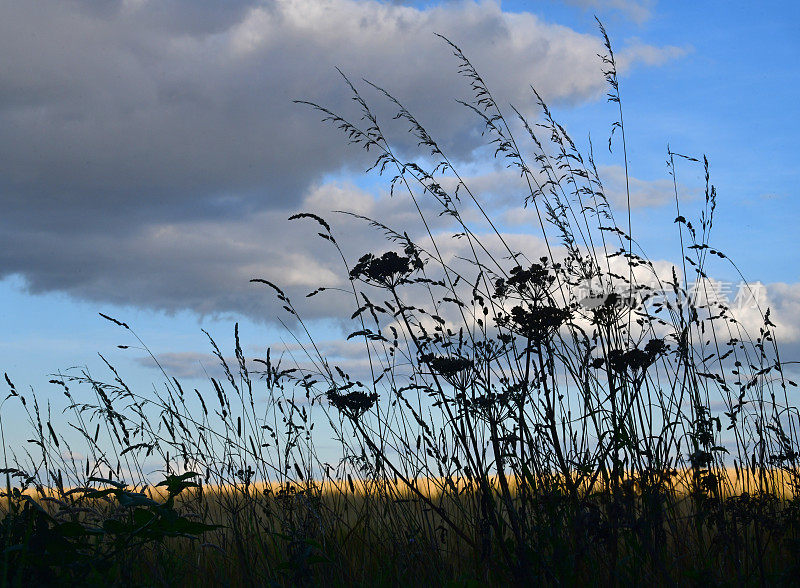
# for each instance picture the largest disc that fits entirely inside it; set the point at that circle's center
(513, 425)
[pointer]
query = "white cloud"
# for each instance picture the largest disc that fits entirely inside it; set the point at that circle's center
(637, 52)
(784, 301)
(643, 193)
(637, 10)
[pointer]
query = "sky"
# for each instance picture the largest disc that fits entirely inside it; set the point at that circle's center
(151, 152)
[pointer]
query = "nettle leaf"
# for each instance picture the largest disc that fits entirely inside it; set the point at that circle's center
(132, 499)
(176, 484)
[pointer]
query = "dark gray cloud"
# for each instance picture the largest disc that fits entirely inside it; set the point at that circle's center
(205, 265)
(151, 150)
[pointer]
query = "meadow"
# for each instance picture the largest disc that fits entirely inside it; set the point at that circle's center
(586, 416)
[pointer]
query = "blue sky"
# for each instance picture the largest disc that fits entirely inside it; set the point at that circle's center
(152, 152)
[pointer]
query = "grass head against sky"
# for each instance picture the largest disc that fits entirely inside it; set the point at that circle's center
(150, 151)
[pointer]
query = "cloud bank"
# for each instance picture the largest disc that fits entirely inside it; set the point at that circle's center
(151, 151)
